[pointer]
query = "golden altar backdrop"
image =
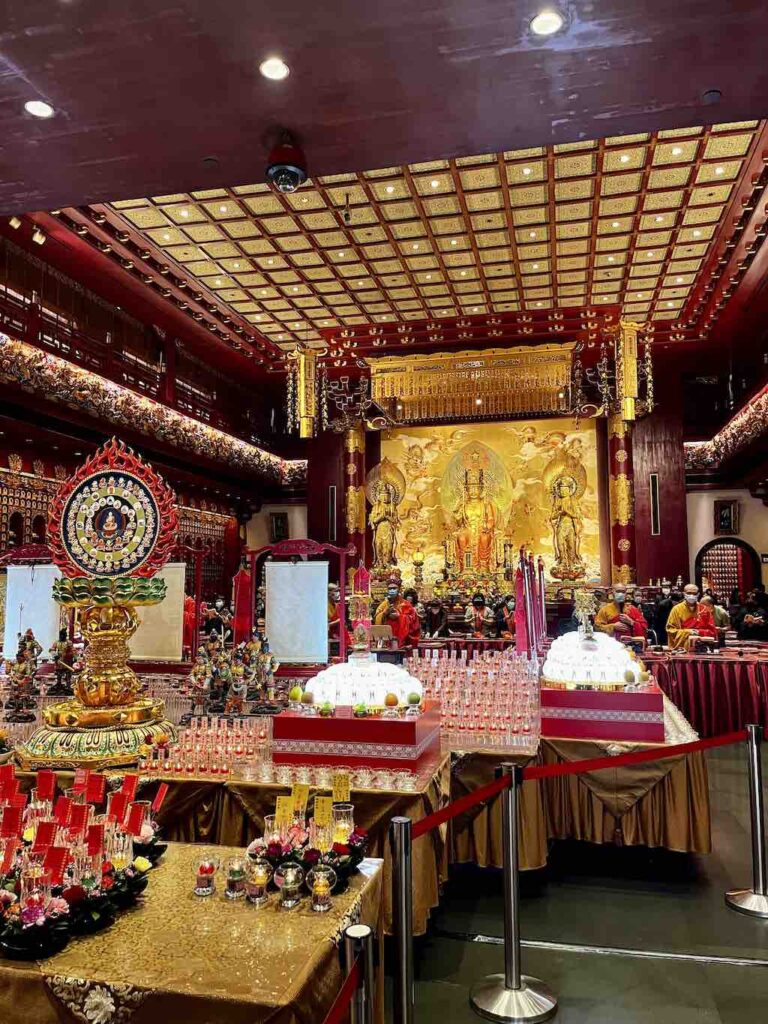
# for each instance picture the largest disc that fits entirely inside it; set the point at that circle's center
(475, 492)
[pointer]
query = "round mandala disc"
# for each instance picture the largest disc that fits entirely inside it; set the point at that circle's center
(110, 524)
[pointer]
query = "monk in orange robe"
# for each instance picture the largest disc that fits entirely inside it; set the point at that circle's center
(400, 614)
(689, 620)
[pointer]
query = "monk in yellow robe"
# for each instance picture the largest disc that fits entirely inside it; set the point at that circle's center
(618, 618)
(689, 620)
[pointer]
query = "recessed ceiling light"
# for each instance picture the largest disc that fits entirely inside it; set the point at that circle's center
(478, 401)
(270, 262)
(650, 255)
(263, 291)
(236, 266)
(611, 259)
(615, 224)
(639, 295)
(166, 237)
(696, 233)
(39, 108)
(678, 280)
(184, 213)
(390, 189)
(547, 22)
(677, 150)
(670, 303)
(341, 252)
(222, 209)
(719, 170)
(435, 183)
(660, 218)
(454, 242)
(532, 234)
(474, 309)
(360, 284)
(218, 280)
(463, 273)
(526, 171)
(539, 303)
(415, 245)
(535, 266)
(429, 277)
(624, 158)
(295, 289)
(274, 68)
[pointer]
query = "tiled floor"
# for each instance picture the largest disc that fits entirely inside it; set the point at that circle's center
(623, 898)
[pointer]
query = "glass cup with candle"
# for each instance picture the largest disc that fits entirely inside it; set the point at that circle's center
(258, 875)
(236, 878)
(343, 822)
(320, 882)
(205, 880)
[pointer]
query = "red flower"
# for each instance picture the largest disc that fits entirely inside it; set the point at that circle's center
(107, 867)
(312, 856)
(274, 850)
(341, 849)
(107, 881)
(74, 894)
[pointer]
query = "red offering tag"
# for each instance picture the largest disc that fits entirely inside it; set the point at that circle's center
(94, 790)
(117, 805)
(135, 819)
(7, 773)
(45, 835)
(81, 779)
(78, 817)
(46, 784)
(19, 800)
(129, 787)
(10, 824)
(54, 863)
(61, 810)
(157, 803)
(9, 852)
(95, 836)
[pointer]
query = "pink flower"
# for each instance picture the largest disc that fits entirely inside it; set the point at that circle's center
(57, 906)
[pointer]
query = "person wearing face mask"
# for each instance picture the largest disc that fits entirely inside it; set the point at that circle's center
(505, 618)
(479, 616)
(435, 620)
(620, 618)
(218, 619)
(662, 607)
(690, 620)
(400, 614)
(751, 620)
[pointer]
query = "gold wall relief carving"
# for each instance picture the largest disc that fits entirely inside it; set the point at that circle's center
(355, 509)
(448, 385)
(621, 456)
(351, 470)
(623, 574)
(622, 500)
(354, 439)
(624, 544)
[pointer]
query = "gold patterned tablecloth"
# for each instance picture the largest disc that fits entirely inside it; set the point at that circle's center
(177, 958)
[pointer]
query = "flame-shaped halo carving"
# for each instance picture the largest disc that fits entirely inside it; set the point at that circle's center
(114, 517)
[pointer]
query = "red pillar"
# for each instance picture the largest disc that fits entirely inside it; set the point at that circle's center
(621, 488)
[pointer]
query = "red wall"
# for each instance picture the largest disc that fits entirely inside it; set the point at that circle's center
(658, 448)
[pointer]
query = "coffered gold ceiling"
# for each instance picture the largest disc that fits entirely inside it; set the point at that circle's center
(623, 222)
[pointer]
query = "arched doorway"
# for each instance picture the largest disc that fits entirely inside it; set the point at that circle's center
(39, 526)
(16, 530)
(729, 564)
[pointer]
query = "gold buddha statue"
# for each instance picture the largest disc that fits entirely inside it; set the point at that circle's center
(477, 517)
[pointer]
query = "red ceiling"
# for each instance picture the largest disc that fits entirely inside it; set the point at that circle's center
(146, 90)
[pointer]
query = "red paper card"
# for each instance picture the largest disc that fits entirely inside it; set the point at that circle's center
(135, 819)
(45, 835)
(160, 795)
(118, 803)
(95, 839)
(130, 784)
(9, 852)
(94, 790)
(54, 862)
(46, 784)
(78, 817)
(10, 824)
(7, 773)
(18, 800)
(81, 779)
(61, 810)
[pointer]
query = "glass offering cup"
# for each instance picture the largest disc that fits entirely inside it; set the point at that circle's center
(289, 879)
(320, 882)
(236, 879)
(343, 822)
(271, 831)
(258, 875)
(205, 882)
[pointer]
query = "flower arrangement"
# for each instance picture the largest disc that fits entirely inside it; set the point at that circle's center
(4, 744)
(297, 846)
(147, 845)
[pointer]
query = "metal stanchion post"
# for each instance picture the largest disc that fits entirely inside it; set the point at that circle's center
(512, 996)
(402, 918)
(754, 901)
(358, 942)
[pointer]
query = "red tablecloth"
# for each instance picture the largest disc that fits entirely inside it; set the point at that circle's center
(718, 693)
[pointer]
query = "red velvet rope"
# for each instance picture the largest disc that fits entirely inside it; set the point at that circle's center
(342, 1001)
(548, 771)
(462, 804)
(593, 764)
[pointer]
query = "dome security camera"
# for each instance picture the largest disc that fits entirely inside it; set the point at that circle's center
(287, 166)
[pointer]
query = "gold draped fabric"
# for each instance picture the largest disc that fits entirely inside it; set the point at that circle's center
(180, 958)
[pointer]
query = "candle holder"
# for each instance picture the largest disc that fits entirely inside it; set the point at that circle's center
(343, 822)
(289, 879)
(205, 881)
(236, 879)
(320, 882)
(257, 880)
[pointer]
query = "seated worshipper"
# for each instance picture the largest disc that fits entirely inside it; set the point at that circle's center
(413, 597)
(400, 614)
(689, 621)
(334, 599)
(505, 618)
(751, 621)
(479, 616)
(435, 620)
(619, 618)
(719, 614)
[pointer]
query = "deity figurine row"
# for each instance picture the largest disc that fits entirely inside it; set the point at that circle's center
(223, 680)
(22, 673)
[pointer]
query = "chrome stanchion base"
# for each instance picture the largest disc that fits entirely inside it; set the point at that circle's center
(747, 901)
(532, 1002)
